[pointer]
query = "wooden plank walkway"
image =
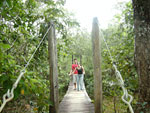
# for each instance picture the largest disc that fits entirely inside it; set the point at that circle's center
(76, 102)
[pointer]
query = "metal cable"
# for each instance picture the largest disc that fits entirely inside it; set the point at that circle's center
(125, 95)
(10, 94)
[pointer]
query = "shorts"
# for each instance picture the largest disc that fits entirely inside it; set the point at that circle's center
(75, 78)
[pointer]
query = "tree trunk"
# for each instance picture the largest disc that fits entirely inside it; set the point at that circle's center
(142, 51)
(115, 110)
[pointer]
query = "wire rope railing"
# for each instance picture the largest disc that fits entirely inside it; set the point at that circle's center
(126, 97)
(10, 93)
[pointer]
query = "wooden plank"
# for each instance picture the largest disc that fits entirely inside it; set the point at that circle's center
(53, 70)
(97, 66)
(76, 102)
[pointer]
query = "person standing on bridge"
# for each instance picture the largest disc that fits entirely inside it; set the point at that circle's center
(80, 77)
(74, 72)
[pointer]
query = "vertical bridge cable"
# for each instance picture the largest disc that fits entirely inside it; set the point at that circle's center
(10, 94)
(121, 81)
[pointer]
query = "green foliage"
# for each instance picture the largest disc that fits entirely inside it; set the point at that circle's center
(120, 39)
(121, 42)
(22, 26)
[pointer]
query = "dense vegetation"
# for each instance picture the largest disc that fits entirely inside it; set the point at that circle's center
(22, 26)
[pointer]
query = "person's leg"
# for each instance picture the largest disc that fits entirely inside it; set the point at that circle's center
(81, 81)
(74, 86)
(74, 81)
(78, 82)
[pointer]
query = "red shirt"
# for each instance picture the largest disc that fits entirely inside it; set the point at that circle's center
(73, 68)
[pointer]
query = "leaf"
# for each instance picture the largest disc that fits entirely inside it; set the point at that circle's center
(4, 46)
(22, 91)
(35, 109)
(34, 80)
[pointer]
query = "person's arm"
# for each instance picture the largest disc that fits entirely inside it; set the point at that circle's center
(83, 70)
(74, 70)
(70, 72)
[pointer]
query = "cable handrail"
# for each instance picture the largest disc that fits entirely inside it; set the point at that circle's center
(125, 95)
(10, 93)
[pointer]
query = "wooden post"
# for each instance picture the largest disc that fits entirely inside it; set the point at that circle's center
(72, 59)
(53, 70)
(80, 59)
(97, 66)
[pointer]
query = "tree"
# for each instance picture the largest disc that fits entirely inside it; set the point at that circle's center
(22, 26)
(142, 52)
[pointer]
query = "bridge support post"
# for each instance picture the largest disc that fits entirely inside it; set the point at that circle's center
(97, 66)
(80, 59)
(72, 59)
(53, 70)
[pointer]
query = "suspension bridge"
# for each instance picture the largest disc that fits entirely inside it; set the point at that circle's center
(74, 101)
